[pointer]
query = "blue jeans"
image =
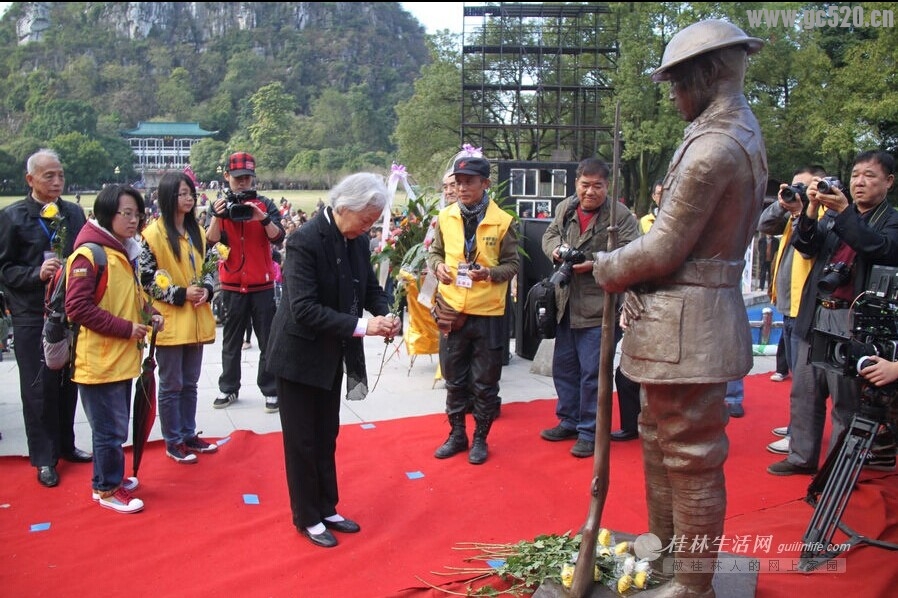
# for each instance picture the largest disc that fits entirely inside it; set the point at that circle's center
(575, 371)
(108, 410)
(179, 370)
(735, 392)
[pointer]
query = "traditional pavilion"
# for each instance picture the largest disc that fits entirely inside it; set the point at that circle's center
(161, 146)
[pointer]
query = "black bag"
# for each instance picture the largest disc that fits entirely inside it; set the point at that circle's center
(540, 311)
(59, 334)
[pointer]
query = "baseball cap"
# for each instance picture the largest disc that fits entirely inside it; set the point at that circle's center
(475, 166)
(241, 164)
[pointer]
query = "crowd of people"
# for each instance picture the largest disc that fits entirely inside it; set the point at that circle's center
(676, 273)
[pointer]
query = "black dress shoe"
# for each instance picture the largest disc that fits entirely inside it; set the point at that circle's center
(78, 456)
(622, 435)
(347, 526)
(324, 539)
(47, 476)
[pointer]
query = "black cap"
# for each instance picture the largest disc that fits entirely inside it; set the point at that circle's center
(475, 166)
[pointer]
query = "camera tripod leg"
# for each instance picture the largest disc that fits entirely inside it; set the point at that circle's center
(839, 474)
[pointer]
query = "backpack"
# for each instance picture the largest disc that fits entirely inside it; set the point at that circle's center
(540, 311)
(59, 334)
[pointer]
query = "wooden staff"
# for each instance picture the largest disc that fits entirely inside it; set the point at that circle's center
(586, 558)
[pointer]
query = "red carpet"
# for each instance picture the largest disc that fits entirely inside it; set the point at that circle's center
(198, 536)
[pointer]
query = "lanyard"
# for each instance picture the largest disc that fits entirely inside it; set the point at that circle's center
(51, 236)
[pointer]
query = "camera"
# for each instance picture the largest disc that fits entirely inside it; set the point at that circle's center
(235, 207)
(569, 258)
(798, 191)
(873, 329)
(834, 276)
(827, 184)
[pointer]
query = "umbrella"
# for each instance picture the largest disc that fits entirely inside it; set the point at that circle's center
(145, 402)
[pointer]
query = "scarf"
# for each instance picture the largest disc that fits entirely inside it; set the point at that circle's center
(471, 216)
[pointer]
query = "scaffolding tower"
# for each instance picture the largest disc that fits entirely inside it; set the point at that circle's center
(535, 79)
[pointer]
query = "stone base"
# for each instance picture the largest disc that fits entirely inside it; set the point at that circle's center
(727, 584)
(542, 361)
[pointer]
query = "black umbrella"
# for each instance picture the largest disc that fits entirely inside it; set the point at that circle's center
(145, 402)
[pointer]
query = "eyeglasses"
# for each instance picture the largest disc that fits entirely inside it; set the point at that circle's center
(127, 215)
(186, 195)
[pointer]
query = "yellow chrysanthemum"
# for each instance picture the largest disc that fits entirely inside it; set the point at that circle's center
(567, 575)
(222, 250)
(50, 210)
(639, 579)
(621, 548)
(624, 583)
(162, 279)
(605, 537)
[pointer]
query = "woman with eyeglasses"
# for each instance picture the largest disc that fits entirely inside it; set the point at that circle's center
(110, 306)
(175, 244)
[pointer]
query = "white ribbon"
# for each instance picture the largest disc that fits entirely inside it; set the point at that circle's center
(397, 175)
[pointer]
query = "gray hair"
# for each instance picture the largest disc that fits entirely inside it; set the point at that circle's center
(359, 192)
(34, 158)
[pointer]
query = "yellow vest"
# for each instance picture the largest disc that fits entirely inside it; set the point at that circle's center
(184, 324)
(801, 269)
(101, 359)
(483, 298)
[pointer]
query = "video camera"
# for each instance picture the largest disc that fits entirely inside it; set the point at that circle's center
(569, 258)
(236, 208)
(873, 328)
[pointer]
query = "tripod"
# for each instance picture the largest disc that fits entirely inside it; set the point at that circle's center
(837, 478)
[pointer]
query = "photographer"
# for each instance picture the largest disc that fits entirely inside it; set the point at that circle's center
(789, 271)
(846, 241)
(247, 223)
(579, 229)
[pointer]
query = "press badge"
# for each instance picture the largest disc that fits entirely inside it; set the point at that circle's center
(462, 279)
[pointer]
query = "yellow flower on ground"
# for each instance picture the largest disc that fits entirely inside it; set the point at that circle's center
(624, 583)
(605, 537)
(621, 548)
(162, 280)
(639, 579)
(50, 210)
(567, 575)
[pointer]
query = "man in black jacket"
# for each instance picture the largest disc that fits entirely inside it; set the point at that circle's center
(33, 245)
(857, 234)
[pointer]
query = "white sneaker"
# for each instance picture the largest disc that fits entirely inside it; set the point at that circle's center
(120, 501)
(781, 446)
(782, 432)
(129, 484)
(777, 377)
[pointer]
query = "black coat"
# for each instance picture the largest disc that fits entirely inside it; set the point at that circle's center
(23, 242)
(313, 320)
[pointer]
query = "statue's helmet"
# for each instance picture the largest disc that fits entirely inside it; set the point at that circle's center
(701, 37)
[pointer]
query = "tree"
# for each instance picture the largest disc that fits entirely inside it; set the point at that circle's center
(57, 117)
(428, 131)
(272, 126)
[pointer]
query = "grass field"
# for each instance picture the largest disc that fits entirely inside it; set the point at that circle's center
(300, 200)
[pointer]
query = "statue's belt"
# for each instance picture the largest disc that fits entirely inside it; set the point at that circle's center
(706, 273)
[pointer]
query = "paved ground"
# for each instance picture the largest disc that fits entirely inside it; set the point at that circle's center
(406, 387)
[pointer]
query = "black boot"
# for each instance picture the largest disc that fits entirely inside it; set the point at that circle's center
(478, 452)
(458, 438)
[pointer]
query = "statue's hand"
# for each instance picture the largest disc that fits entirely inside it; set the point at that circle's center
(632, 308)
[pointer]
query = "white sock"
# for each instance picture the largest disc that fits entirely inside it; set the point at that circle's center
(335, 518)
(316, 529)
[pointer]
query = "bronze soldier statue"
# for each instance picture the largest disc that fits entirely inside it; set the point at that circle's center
(687, 329)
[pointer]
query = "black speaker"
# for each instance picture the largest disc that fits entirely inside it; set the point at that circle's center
(534, 267)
